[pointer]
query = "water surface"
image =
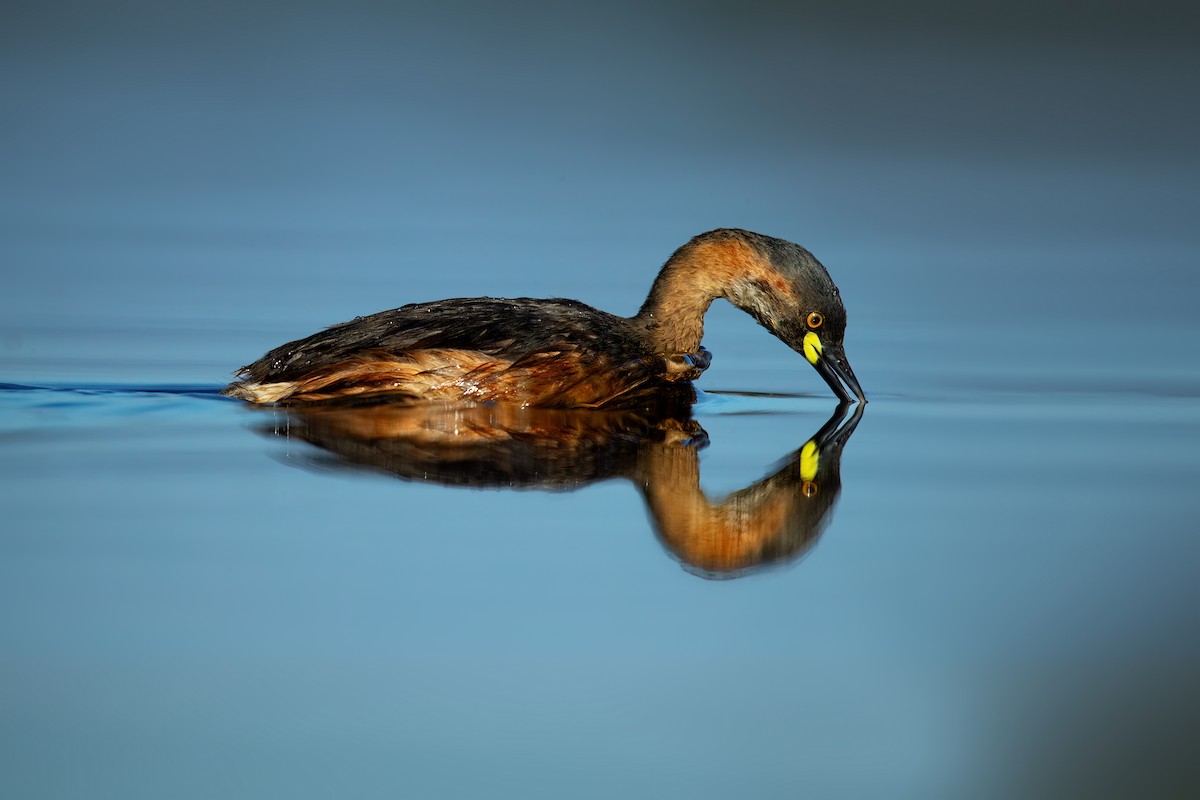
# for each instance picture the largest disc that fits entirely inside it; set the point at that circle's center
(198, 597)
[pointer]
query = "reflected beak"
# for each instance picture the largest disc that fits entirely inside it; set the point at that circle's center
(832, 365)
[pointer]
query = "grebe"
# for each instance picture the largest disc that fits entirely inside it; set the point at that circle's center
(563, 353)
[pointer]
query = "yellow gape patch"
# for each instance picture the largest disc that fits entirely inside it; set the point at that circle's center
(810, 460)
(812, 347)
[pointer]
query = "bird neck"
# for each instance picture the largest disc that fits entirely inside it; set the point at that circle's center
(697, 274)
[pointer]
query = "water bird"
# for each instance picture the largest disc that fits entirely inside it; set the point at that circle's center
(558, 353)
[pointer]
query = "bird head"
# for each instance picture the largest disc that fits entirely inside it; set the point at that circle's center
(791, 294)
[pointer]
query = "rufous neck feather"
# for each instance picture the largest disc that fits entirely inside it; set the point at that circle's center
(697, 274)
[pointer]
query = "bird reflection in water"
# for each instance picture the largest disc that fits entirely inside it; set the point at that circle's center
(775, 520)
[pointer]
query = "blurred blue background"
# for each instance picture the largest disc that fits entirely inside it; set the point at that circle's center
(233, 175)
(1006, 603)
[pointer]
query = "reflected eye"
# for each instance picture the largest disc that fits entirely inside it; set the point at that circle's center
(815, 319)
(809, 489)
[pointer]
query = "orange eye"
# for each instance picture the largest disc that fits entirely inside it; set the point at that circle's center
(815, 319)
(809, 489)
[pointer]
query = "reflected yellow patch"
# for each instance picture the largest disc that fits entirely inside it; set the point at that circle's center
(812, 347)
(810, 460)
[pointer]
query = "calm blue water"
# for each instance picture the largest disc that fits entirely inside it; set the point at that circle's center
(1002, 602)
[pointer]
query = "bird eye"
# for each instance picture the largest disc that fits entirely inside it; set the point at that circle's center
(815, 319)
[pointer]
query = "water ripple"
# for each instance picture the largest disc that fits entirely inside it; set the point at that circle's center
(30, 408)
